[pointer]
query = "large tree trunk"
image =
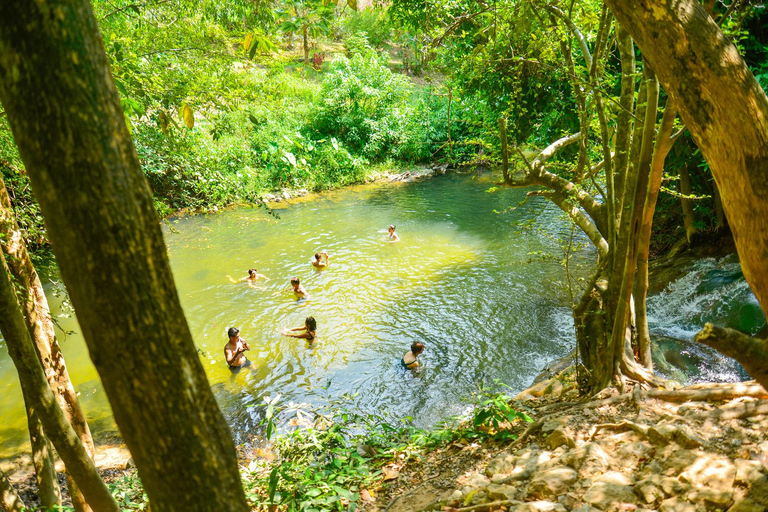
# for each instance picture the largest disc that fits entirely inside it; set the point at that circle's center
(724, 108)
(40, 326)
(48, 490)
(106, 236)
(37, 390)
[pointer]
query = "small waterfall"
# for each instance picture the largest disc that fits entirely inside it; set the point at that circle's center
(710, 290)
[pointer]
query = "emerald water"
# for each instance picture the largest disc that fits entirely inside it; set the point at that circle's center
(468, 279)
(464, 280)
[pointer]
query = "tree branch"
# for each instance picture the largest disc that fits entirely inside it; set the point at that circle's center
(751, 353)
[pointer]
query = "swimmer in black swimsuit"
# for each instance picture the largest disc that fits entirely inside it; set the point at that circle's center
(409, 360)
(309, 328)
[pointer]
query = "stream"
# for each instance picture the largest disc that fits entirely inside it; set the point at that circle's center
(473, 277)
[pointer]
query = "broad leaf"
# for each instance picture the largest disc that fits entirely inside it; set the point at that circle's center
(188, 115)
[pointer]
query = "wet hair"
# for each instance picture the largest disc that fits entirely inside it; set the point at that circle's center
(252, 271)
(233, 331)
(294, 280)
(392, 227)
(311, 323)
(318, 255)
(417, 347)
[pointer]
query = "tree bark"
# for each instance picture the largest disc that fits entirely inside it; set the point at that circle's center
(106, 236)
(48, 489)
(36, 388)
(751, 353)
(305, 36)
(724, 108)
(40, 326)
(504, 151)
(9, 498)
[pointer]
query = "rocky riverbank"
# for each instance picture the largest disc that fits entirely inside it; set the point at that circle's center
(695, 449)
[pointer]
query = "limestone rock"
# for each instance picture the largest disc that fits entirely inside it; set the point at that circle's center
(631, 455)
(539, 506)
(551, 483)
(475, 481)
(746, 505)
(673, 486)
(677, 461)
(649, 490)
(680, 434)
(589, 460)
(559, 437)
(748, 471)
(501, 464)
(677, 505)
(501, 491)
(711, 470)
(610, 490)
(711, 498)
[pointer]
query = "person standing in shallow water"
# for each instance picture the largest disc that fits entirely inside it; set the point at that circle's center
(318, 262)
(409, 360)
(233, 351)
(309, 328)
(392, 235)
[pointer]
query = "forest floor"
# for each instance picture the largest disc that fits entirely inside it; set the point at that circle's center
(699, 448)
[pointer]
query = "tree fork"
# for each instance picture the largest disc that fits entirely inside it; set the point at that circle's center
(109, 246)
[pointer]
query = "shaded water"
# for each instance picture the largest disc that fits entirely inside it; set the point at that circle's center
(463, 279)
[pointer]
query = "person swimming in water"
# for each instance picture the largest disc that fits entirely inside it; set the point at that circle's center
(409, 360)
(298, 289)
(252, 278)
(309, 328)
(318, 262)
(233, 351)
(392, 235)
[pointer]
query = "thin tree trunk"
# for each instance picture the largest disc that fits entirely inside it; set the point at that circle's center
(626, 103)
(40, 326)
(48, 489)
(106, 236)
(504, 151)
(686, 204)
(305, 35)
(661, 149)
(719, 213)
(9, 498)
(36, 387)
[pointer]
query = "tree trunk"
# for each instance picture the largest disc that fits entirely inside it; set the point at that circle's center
(40, 326)
(504, 151)
(305, 35)
(751, 352)
(36, 388)
(724, 108)
(9, 498)
(48, 489)
(686, 204)
(106, 236)
(660, 151)
(719, 214)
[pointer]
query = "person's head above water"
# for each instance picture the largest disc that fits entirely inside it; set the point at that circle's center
(310, 323)
(417, 348)
(233, 332)
(295, 281)
(252, 272)
(318, 256)
(391, 228)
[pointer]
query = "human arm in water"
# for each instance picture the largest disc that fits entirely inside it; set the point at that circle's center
(307, 335)
(232, 355)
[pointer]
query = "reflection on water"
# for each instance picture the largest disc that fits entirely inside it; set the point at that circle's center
(462, 280)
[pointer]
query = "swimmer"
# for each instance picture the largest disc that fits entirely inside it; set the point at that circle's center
(409, 360)
(318, 262)
(251, 279)
(309, 328)
(392, 235)
(298, 289)
(233, 351)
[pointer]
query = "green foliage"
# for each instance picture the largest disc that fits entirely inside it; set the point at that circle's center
(373, 24)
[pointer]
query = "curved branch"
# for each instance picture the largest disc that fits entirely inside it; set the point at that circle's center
(575, 31)
(751, 353)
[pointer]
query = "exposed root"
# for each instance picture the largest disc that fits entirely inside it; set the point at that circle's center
(623, 427)
(487, 507)
(711, 394)
(735, 411)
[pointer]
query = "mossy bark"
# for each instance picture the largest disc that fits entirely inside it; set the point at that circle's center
(107, 240)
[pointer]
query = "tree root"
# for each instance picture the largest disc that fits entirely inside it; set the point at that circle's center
(623, 426)
(487, 507)
(710, 394)
(751, 352)
(734, 411)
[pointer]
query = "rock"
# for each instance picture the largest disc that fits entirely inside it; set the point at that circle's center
(746, 505)
(589, 460)
(585, 508)
(540, 506)
(553, 424)
(649, 490)
(551, 483)
(680, 434)
(501, 491)
(456, 495)
(672, 486)
(559, 437)
(677, 461)
(476, 481)
(610, 491)
(747, 471)
(555, 388)
(501, 464)
(677, 505)
(631, 455)
(711, 498)
(711, 470)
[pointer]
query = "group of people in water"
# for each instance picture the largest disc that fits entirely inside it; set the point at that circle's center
(236, 346)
